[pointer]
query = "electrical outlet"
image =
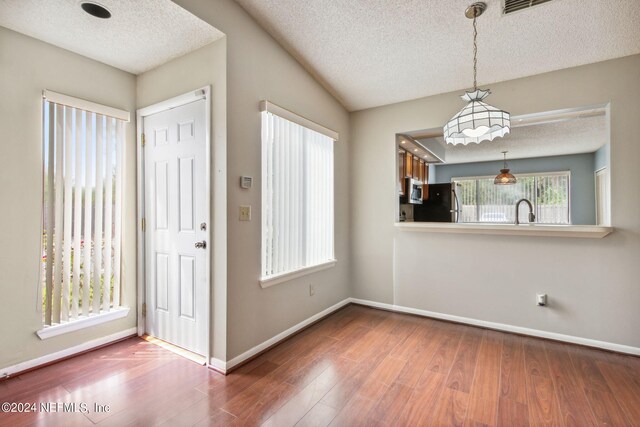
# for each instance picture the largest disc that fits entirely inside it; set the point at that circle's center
(245, 213)
(312, 290)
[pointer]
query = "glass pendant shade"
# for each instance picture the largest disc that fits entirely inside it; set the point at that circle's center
(504, 178)
(477, 121)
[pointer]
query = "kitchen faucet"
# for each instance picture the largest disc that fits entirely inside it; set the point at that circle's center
(532, 216)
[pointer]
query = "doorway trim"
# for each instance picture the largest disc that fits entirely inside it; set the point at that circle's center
(178, 101)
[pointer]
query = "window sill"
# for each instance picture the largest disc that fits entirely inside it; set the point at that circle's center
(584, 231)
(82, 323)
(284, 277)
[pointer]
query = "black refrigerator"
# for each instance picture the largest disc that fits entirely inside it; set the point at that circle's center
(437, 208)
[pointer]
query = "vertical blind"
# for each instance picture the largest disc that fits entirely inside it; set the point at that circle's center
(82, 221)
(483, 201)
(297, 196)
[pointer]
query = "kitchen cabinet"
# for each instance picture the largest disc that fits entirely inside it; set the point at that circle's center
(408, 171)
(420, 171)
(402, 182)
(425, 185)
(411, 166)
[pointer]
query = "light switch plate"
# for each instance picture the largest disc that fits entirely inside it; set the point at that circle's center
(245, 213)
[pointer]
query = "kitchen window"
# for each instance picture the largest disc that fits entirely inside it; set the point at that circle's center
(481, 201)
(82, 213)
(297, 196)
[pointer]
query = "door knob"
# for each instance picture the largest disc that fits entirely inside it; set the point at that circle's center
(201, 245)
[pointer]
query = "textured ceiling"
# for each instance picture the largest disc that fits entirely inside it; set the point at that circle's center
(376, 52)
(579, 135)
(139, 36)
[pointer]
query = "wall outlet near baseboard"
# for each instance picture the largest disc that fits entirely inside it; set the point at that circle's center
(312, 290)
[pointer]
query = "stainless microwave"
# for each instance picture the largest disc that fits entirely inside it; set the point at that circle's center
(414, 191)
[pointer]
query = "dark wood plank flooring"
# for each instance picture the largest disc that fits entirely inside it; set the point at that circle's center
(358, 367)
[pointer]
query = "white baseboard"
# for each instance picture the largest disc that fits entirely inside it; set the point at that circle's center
(218, 365)
(620, 348)
(52, 357)
(223, 367)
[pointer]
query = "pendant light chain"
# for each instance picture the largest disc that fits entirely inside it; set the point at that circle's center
(477, 121)
(475, 54)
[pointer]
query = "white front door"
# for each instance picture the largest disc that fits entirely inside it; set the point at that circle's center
(176, 206)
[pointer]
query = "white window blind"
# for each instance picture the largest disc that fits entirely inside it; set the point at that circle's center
(297, 197)
(483, 201)
(82, 221)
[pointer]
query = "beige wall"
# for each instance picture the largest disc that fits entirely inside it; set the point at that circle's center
(205, 66)
(255, 67)
(258, 68)
(593, 285)
(27, 66)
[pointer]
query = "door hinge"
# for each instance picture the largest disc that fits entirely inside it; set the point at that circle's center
(144, 308)
(144, 225)
(142, 140)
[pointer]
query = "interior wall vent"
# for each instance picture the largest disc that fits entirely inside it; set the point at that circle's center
(511, 6)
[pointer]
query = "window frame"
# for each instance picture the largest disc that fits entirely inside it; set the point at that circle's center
(566, 173)
(81, 321)
(266, 281)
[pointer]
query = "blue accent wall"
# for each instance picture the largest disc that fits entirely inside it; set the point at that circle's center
(583, 200)
(601, 158)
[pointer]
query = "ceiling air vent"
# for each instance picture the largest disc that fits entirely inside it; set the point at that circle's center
(511, 6)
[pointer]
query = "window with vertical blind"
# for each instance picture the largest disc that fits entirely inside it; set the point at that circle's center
(481, 201)
(297, 197)
(82, 215)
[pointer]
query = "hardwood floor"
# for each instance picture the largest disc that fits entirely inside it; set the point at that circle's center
(358, 367)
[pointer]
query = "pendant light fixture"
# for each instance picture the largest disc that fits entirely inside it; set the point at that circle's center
(477, 121)
(504, 177)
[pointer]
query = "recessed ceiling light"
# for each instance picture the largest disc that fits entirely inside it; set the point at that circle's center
(415, 149)
(403, 141)
(94, 9)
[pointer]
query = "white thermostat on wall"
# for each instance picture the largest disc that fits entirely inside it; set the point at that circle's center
(246, 181)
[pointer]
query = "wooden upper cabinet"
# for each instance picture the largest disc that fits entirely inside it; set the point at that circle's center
(425, 172)
(409, 165)
(421, 171)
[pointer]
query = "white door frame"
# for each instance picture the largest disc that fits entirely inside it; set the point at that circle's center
(608, 199)
(201, 93)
